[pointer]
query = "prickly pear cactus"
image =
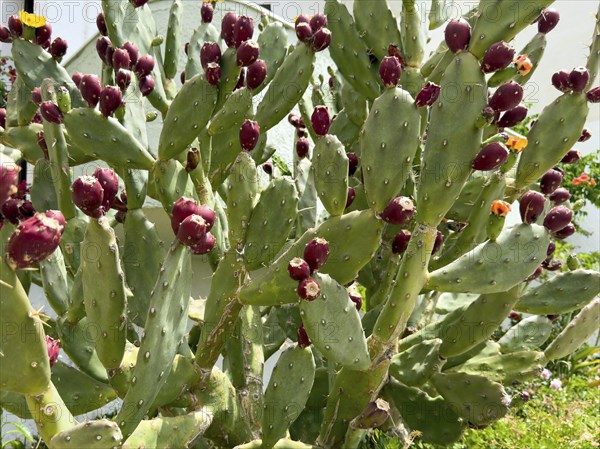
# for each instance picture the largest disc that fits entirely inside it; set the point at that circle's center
(403, 172)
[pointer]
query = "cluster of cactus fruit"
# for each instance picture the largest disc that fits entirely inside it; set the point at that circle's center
(379, 310)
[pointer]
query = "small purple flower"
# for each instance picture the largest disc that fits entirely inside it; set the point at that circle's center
(556, 384)
(546, 374)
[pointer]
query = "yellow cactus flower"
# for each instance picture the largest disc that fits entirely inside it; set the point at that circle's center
(516, 142)
(32, 20)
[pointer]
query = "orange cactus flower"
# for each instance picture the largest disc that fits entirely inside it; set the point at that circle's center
(500, 208)
(516, 142)
(576, 181)
(584, 177)
(524, 65)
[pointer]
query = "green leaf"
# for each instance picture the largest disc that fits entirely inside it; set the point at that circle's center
(281, 165)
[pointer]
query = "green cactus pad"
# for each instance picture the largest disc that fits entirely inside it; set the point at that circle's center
(562, 293)
(333, 325)
(438, 14)
(377, 26)
(100, 434)
(577, 332)
(594, 57)
(287, 393)
(77, 340)
(330, 165)
(477, 399)
(416, 365)
(484, 349)
(20, 110)
(388, 146)
(206, 32)
(286, 88)
(534, 49)
(497, 266)
(355, 104)
(353, 238)
(270, 223)
(170, 182)
(344, 129)
(173, 43)
(414, 39)
(188, 114)
(530, 333)
(126, 23)
(105, 138)
(284, 443)
(55, 281)
(235, 109)
(272, 41)
(42, 193)
(24, 138)
(49, 413)
(505, 368)
(307, 425)
(24, 364)
(242, 195)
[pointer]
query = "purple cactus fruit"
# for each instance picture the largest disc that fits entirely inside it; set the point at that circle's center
(350, 197)
(536, 274)
(26, 209)
(210, 52)
(304, 32)
(241, 79)
(560, 196)
(317, 22)
(355, 297)
(513, 117)
(320, 120)
(499, 56)
(316, 253)
(531, 206)
(34, 240)
(390, 71)
(58, 48)
(121, 59)
(552, 264)
(133, 51)
(138, 3)
(428, 95)
(302, 18)
(9, 178)
(144, 66)
(36, 96)
(321, 39)
(303, 339)
(586, 135)
(10, 210)
(228, 28)
(213, 73)
(565, 232)
(244, 29)
(302, 147)
(560, 80)
(15, 26)
(593, 96)
(352, 163)
(123, 79)
(101, 24)
(205, 245)
(579, 78)
(256, 74)
(399, 211)
(551, 248)
(146, 85)
(77, 77)
(183, 208)
(572, 157)
(298, 269)
(550, 181)
(53, 347)
(400, 242)
(50, 112)
(558, 218)
(507, 97)
(90, 88)
(110, 183)
(206, 12)
(43, 33)
(102, 45)
(308, 289)
(301, 132)
(249, 133)
(4, 34)
(110, 100)
(491, 157)
(191, 230)
(208, 214)
(437, 245)
(37, 118)
(268, 168)
(548, 20)
(3, 117)
(247, 53)
(458, 35)
(182, 77)
(88, 195)
(294, 119)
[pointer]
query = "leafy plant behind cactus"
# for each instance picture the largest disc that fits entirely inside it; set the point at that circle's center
(380, 311)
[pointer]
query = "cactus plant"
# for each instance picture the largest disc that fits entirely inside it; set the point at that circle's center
(413, 165)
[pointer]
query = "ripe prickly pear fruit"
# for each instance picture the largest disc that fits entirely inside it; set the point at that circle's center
(183, 208)
(4, 34)
(123, 79)
(210, 52)
(15, 26)
(3, 117)
(536, 274)
(399, 211)
(560, 80)
(437, 245)
(138, 3)
(191, 230)
(321, 39)
(350, 197)
(102, 45)
(458, 35)
(316, 253)
(428, 95)
(144, 66)
(507, 97)
(53, 347)
(58, 48)
(51, 113)
(10, 210)
(241, 79)
(249, 133)
(205, 244)
(390, 71)
(304, 32)
(26, 209)
(400, 242)
(560, 196)
(88, 195)
(9, 178)
(309, 289)
(550, 181)
(34, 240)
(146, 85)
(579, 78)
(267, 168)
(110, 100)
(491, 157)
(133, 51)
(531, 206)
(302, 147)
(247, 53)
(352, 163)
(208, 214)
(565, 232)
(320, 120)
(497, 57)
(585, 134)
(558, 218)
(355, 297)
(206, 12)
(121, 59)
(244, 29)
(101, 24)
(228, 28)
(302, 18)
(303, 339)
(43, 33)
(90, 88)
(551, 264)
(36, 96)
(375, 414)
(213, 73)
(548, 20)
(571, 157)
(256, 74)
(110, 183)
(593, 96)
(551, 249)
(298, 269)
(77, 77)
(513, 117)
(317, 22)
